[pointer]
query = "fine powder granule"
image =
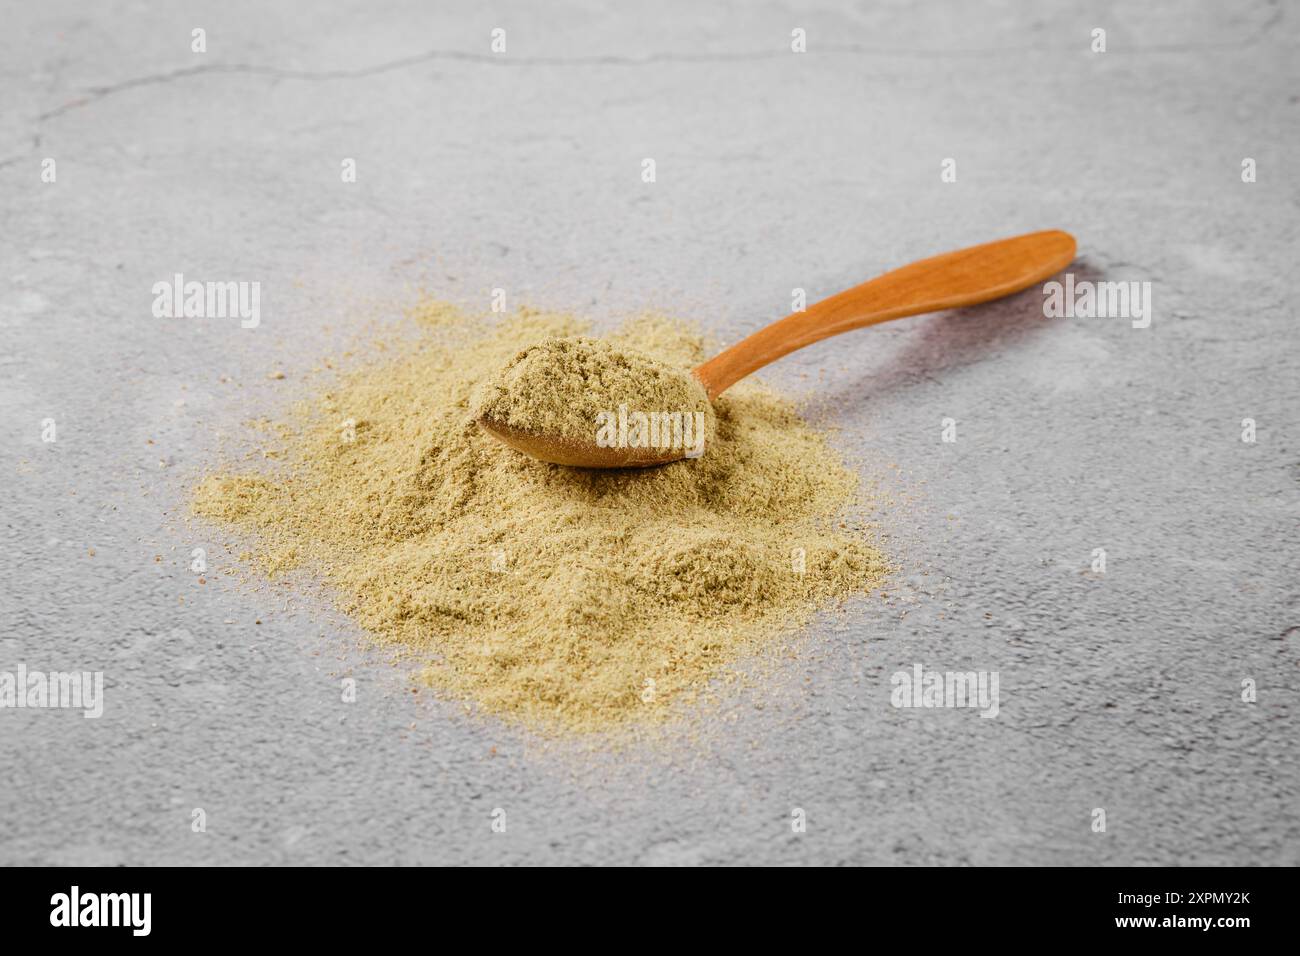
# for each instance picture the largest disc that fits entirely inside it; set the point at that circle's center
(560, 387)
(565, 599)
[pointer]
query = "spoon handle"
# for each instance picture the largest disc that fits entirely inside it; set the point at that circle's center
(949, 281)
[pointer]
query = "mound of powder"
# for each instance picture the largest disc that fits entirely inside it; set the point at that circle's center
(560, 387)
(566, 599)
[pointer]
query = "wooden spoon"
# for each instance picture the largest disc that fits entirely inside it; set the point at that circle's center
(949, 281)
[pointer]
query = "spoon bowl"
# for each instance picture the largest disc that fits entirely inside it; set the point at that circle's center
(560, 450)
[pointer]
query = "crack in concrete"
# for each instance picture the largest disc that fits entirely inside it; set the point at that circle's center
(97, 93)
(94, 94)
(100, 92)
(36, 145)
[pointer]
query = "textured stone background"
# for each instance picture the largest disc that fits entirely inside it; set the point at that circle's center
(775, 170)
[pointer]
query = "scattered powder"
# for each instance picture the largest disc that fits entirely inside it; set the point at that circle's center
(566, 599)
(559, 387)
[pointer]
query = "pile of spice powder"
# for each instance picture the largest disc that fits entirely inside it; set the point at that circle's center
(569, 600)
(560, 387)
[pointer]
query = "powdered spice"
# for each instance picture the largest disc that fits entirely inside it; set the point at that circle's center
(566, 387)
(566, 599)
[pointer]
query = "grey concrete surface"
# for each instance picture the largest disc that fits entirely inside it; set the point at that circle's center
(1120, 691)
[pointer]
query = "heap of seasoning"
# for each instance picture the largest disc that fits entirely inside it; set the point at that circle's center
(569, 600)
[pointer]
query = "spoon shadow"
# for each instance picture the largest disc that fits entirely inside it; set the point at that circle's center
(946, 341)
